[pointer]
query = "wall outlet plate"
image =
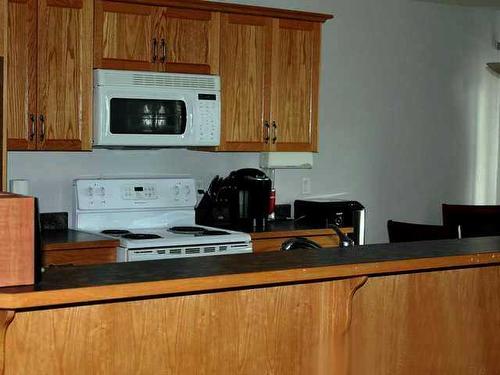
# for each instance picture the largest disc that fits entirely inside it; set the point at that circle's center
(306, 185)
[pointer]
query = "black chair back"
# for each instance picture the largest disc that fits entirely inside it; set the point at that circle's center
(409, 232)
(474, 220)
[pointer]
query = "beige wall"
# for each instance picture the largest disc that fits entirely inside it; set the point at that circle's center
(408, 117)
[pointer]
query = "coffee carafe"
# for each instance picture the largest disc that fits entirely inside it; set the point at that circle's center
(250, 204)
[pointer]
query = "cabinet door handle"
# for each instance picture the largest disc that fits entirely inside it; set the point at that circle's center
(266, 131)
(155, 49)
(42, 130)
(33, 127)
(275, 132)
(163, 57)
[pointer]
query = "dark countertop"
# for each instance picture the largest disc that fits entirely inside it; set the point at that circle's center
(278, 228)
(65, 239)
(66, 284)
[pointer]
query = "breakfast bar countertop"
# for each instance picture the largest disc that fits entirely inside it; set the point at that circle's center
(67, 284)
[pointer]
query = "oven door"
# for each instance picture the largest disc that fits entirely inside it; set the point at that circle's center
(143, 117)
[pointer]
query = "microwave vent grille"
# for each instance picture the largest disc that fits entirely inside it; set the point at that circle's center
(108, 77)
(207, 83)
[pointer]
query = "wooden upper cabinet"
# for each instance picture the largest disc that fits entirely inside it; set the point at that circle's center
(153, 38)
(64, 74)
(124, 36)
(22, 72)
(269, 71)
(3, 27)
(245, 68)
(191, 40)
(50, 71)
(296, 55)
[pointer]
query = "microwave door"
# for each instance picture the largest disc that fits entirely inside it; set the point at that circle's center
(144, 118)
(148, 117)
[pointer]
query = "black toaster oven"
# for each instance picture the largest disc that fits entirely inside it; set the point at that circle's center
(324, 212)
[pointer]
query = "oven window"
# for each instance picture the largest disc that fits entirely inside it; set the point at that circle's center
(141, 116)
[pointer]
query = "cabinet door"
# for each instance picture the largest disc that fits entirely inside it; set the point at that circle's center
(245, 77)
(3, 26)
(124, 36)
(294, 101)
(191, 41)
(21, 71)
(65, 74)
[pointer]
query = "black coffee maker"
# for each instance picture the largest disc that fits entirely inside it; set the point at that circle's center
(239, 201)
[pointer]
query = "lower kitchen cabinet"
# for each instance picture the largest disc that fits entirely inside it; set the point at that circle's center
(65, 247)
(78, 257)
(271, 241)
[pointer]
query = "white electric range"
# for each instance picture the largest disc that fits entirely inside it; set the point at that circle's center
(153, 218)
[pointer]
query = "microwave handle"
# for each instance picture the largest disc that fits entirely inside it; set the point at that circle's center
(154, 48)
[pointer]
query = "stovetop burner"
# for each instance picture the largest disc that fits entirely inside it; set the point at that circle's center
(115, 232)
(211, 232)
(197, 231)
(141, 236)
(187, 230)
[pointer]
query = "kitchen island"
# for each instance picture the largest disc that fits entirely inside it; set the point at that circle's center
(427, 307)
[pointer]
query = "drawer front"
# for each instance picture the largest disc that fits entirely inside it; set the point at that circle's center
(79, 257)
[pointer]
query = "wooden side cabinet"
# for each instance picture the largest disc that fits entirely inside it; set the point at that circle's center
(78, 257)
(153, 38)
(269, 70)
(271, 241)
(50, 65)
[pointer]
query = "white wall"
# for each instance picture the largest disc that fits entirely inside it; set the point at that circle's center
(408, 114)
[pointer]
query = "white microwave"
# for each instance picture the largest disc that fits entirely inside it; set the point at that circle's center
(148, 109)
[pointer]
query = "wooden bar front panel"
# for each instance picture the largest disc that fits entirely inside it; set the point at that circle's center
(442, 322)
(296, 329)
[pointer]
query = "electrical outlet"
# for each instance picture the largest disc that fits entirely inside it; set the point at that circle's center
(306, 185)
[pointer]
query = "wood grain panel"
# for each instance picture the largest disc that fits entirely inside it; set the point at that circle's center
(297, 233)
(191, 37)
(16, 240)
(3, 27)
(3, 92)
(444, 322)
(124, 36)
(21, 70)
(245, 78)
(79, 257)
(236, 9)
(6, 317)
(297, 329)
(274, 244)
(294, 80)
(65, 76)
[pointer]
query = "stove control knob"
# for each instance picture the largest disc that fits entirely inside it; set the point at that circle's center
(187, 190)
(90, 191)
(177, 190)
(102, 191)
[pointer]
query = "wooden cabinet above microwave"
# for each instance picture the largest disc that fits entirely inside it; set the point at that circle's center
(268, 60)
(155, 38)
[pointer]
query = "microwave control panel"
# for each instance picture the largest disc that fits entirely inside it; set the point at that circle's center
(209, 117)
(104, 194)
